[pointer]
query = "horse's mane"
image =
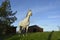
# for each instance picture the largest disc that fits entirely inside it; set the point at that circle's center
(28, 12)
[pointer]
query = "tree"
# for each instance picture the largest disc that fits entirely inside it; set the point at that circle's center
(6, 15)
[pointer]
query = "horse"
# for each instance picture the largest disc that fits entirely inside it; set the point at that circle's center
(24, 24)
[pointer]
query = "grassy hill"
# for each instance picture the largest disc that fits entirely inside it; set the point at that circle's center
(37, 36)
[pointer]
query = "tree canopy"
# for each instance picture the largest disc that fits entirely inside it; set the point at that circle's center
(7, 16)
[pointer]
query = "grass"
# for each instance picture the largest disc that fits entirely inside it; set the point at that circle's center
(37, 36)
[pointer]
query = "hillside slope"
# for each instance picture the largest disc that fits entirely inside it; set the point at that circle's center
(37, 36)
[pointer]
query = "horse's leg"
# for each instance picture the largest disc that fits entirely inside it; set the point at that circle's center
(20, 29)
(26, 30)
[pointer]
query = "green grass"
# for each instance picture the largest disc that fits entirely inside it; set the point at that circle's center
(37, 36)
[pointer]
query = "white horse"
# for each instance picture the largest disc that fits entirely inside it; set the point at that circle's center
(24, 24)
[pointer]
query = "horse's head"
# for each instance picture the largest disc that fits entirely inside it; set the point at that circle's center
(30, 13)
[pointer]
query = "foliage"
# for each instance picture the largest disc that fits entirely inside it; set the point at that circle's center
(6, 15)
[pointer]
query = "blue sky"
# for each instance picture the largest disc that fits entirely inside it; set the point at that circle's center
(45, 13)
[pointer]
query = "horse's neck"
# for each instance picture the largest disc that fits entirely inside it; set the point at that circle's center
(28, 18)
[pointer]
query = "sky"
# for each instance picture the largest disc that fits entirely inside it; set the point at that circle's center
(45, 13)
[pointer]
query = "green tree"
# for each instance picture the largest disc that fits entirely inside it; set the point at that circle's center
(6, 15)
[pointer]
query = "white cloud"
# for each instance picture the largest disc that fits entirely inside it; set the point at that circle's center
(53, 16)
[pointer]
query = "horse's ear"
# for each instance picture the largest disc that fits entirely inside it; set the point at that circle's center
(28, 12)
